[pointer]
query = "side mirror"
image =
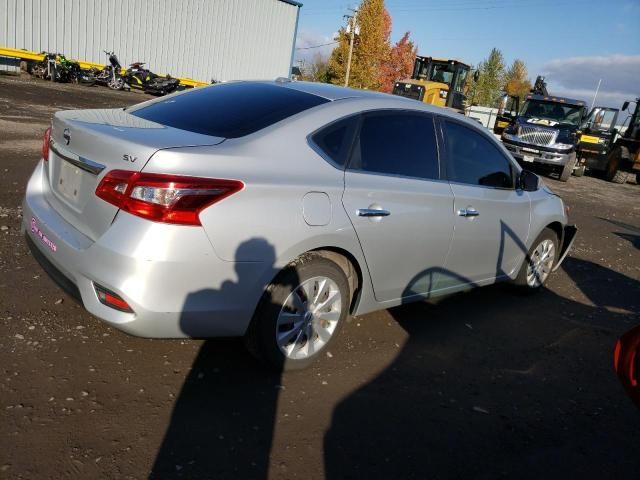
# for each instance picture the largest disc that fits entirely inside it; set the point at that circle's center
(528, 181)
(625, 105)
(476, 76)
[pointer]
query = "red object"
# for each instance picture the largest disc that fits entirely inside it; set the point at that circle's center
(112, 300)
(45, 144)
(164, 198)
(626, 361)
(116, 302)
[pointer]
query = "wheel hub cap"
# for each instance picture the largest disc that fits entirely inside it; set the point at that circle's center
(308, 318)
(540, 263)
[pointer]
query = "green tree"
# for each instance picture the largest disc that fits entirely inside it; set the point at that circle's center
(316, 70)
(491, 82)
(516, 81)
(371, 47)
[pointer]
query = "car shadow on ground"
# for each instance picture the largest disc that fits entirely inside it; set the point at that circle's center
(461, 400)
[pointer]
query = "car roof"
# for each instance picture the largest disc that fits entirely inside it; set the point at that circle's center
(327, 90)
(363, 100)
(335, 92)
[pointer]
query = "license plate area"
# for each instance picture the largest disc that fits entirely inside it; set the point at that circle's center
(527, 158)
(69, 181)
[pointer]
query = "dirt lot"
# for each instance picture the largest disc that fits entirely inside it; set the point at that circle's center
(484, 385)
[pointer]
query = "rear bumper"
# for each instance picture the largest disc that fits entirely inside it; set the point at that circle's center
(169, 275)
(538, 156)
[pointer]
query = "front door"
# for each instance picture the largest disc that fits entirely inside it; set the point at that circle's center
(397, 203)
(492, 217)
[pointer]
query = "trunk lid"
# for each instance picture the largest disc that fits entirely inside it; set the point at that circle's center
(86, 144)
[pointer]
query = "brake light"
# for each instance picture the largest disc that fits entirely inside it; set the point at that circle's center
(45, 144)
(164, 198)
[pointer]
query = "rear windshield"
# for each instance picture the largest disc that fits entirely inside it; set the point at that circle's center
(229, 110)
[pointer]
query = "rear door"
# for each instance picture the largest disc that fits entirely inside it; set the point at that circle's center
(397, 203)
(491, 216)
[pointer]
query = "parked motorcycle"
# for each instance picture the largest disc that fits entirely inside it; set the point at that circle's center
(110, 74)
(58, 68)
(70, 71)
(46, 68)
(137, 76)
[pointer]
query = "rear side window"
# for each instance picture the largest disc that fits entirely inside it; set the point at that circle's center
(397, 143)
(473, 159)
(336, 139)
(229, 110)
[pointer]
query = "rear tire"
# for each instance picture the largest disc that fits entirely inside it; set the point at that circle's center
(615, 160)
(539, 262)
(568, 168)
(300, 313)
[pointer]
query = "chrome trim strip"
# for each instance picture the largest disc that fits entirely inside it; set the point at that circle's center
(82, 163)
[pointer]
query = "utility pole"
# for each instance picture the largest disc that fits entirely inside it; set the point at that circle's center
(352, 31)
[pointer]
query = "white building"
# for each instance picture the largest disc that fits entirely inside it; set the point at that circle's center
(200, 39)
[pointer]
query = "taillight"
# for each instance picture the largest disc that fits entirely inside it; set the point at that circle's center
(164, 198)
(45, 144)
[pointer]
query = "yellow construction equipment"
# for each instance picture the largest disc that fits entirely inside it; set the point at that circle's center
(438, 81)
(34, 56)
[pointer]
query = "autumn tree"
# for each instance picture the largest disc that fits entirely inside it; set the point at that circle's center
(491, 82)
(399, 64)
(516, 81)
(370, 51)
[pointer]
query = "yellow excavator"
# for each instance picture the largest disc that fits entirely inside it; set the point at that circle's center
(437, 81)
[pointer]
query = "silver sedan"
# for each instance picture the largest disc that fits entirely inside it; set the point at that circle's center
(272, 210)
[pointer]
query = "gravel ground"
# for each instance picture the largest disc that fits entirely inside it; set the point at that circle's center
(486, 384)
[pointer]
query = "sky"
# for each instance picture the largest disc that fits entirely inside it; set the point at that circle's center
(574, 43)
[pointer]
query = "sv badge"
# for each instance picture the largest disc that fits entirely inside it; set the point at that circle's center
(129, 158)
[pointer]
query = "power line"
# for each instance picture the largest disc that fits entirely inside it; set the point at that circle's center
(316, 46)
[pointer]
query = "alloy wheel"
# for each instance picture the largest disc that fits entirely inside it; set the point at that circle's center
(308, 318)
(540, 263)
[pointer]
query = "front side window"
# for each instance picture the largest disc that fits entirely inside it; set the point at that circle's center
(474, 160)
(397, 143)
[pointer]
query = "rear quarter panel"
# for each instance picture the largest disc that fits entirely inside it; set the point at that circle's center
(278, 168)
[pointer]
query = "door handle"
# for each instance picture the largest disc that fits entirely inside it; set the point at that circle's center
(372, 212)
(468, 212)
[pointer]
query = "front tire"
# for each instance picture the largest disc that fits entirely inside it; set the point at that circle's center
(539, 262)
(116, 83)
(300, 313)
(568, 168)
